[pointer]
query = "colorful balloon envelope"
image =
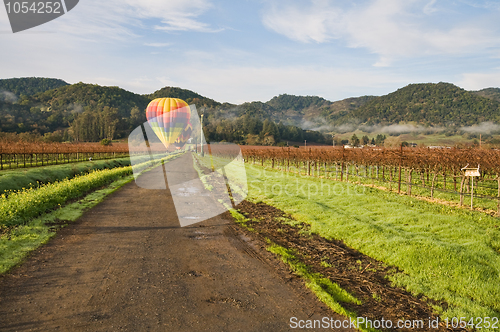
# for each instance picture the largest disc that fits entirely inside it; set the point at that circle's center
(169, 118)
(184, 136)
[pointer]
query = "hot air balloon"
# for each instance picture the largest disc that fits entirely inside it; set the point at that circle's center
(184, 136)
(168, 117)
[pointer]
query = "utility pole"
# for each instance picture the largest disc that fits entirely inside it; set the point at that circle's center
(201, 135)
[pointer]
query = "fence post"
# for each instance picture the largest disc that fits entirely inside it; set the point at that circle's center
(408, 189)
(462, 191)
(498, 196)
(400, 160)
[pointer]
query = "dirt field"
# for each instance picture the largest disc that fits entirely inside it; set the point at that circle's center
(127, 265)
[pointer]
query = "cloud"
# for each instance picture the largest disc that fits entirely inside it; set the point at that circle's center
(175, 15)
(395, 129)
(303, 24)
(392, 29)
(482, 128)
(157, 44)
(429, 7)
(75, 108)
(184, 23)
(8, 96)
(119, 19)
(477, 81)
(404, 128)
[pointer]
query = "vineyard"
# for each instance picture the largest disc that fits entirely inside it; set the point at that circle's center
(21, 154)
(413, 171)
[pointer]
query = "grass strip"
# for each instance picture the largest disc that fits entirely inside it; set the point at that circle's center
(19, 241)
(14, 180)
(21, 206)
(447, 254)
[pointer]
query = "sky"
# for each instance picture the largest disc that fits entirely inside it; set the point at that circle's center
(252, 50)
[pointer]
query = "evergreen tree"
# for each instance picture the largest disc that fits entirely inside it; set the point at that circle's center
(354, 140)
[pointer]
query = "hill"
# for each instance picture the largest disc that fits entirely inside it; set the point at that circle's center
(492, 93)
(81, 96)
(28, 86)
(90, 111)
(188, 96)
(428, 104)
(304, 111)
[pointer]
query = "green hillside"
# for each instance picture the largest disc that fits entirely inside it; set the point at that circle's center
(429, 104)
(188, 96)
(90, 112)
(30, 85)
(88, 96)
(492, 93)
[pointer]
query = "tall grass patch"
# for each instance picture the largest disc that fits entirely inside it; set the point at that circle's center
(21, 206)
(13, 180)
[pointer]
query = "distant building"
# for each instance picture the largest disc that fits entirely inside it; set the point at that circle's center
(438, 147)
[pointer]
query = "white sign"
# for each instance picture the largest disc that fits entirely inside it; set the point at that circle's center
(472, 172)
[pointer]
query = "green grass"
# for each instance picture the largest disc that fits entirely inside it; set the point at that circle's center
(445, 253)
(21, 206)
(19, 241)
(30, 177)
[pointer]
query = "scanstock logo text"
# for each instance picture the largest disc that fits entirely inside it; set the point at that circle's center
(25, 15)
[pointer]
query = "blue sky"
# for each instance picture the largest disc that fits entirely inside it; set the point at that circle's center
(243, 50)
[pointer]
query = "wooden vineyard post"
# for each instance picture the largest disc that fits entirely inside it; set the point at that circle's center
(498, 196)
(399, 177)
(288, 161)
(342, 166)
(454, 180)
(309, 163)
(409, 182)
(433, 183)
(462, 191)
(390, 178)
(371, 176)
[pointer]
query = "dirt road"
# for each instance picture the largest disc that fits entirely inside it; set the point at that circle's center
(128, 265)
